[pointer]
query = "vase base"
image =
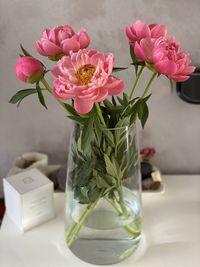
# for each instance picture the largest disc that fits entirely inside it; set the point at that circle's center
(104, 252)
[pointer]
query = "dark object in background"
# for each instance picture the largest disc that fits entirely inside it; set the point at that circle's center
(59, 178)
(2, 209)
(189, 90)
(151, 177)
(146, 169)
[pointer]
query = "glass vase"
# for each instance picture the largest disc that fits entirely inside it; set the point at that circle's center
(103, 195)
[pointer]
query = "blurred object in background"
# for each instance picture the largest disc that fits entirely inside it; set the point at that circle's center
(147, 153)
(59, 178)
(2, 209)
(189, 90)
(151, 176)
(31, 160)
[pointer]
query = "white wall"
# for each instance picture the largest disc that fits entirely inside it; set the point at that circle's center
(173, 127)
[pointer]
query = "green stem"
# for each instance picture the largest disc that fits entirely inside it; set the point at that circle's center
(49, 89)
(136, 82)
(130, 229)
(100, 114)
(74, 229)
(122, 203)
(148, 85)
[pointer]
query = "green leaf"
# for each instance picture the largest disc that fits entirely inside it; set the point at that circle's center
(117, 168)
(78, 119)
(114, 101)
(120, 100)
(116, 69)
(70, 109)
(143, 112)
(88, 131)
(108, 178)
(138, 63)
(109, 137)
(127, 110)
(40, 96)
(81, 194)
(20, 95)
(82, 173)
(24, 51)
(108, 104)
(110, 168)
(134, 59)
(94, 194)
(125, 99)
(101, 183)
(98, 132)
(147, 97)
(171, 85)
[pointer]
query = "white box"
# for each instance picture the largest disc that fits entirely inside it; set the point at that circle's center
(29, 198)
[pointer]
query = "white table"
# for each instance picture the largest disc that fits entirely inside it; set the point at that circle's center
(171, 232)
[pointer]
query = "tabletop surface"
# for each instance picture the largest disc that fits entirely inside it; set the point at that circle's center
(171, 232)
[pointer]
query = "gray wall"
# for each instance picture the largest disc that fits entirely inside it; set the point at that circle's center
(173, 127)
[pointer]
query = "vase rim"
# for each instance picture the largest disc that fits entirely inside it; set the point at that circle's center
(112, 128)
(118, 128)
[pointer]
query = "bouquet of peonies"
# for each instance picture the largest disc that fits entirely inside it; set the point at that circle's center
(87, 77)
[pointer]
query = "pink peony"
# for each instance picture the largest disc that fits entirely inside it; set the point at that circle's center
(139, 30)
(165, 55)
(61, 40)
(29, 69)
(86, 77)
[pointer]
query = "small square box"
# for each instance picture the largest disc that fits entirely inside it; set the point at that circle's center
(29, 198)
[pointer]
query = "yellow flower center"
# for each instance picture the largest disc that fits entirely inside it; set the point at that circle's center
(85, 73)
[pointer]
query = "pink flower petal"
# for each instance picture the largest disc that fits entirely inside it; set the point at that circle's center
(102, 94)
(139, 52)
(157, 30)
(83, 38)
(70, 45)
(167, 67)
(131, 36)
(188, 70)
(180, 78)
(45, 34)
(142, 30)
(52, 36)
(83, 106)
(50, 48)
(39, 48)
(20, 75)
(55, 72)
(147, 46)
(114, 86)
(61, 91)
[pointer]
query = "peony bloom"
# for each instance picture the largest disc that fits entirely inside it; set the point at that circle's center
(61, 40)
(29, 69)
(86, 77)
(138, 31)
(165, 55)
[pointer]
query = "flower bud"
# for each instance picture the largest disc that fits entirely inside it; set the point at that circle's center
(29, 69)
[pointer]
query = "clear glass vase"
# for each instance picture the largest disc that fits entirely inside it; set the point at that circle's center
(103, 195)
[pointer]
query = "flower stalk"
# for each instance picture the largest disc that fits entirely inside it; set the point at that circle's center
(148, 85)
(50, 90)
(138, 77)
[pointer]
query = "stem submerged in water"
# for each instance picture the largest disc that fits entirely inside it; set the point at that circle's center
(74, 228)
